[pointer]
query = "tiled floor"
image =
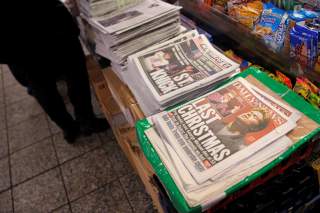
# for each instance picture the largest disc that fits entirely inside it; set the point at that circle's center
(40, 172)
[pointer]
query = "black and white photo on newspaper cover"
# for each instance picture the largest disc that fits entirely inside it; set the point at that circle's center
(226, 126)
(180, 67)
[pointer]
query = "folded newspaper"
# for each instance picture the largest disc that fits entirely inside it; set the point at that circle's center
(121, 68)
(214, 132)
(176, 70)
(189, 196)
(146, 13)
(138, 25)
(101, 8)
(211, 143)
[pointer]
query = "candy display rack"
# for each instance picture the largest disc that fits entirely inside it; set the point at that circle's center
(230, 34)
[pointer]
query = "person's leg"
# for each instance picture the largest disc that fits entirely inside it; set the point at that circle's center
(78, 82)
(79, 90)
(46, 93)
(19, 74)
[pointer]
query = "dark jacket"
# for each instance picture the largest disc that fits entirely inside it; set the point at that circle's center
(28, 28)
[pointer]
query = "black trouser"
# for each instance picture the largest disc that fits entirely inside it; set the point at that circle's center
(62, 57)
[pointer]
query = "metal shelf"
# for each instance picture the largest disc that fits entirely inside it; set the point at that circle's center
(231, 34)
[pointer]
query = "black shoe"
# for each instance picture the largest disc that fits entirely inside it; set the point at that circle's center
(94, 125)
(71, 135)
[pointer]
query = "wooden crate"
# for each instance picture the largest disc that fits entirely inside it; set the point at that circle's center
(125, 133)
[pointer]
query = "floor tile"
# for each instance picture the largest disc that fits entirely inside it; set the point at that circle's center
(64, 209)
(8, 78)
(4, 174)
(32, 160)
(87, 173)
(96, 106)
(138, 197)
(4, 68)
(2, 117)
(6, 202)
(1, 92)
(1, 95)
(22, 110)
(28, 132)
(107, 136)
(67, 151)
(110, 198)
(15, 93)
(41, 194)
(3, 143)
(53, 126)
(118, 159)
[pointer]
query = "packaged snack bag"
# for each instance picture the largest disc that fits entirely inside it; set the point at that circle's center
(317, 65)
(284, 79)
(308, 90)
(246, 13)
(293, 18)
(313, 88)
(230, 54)
(279, 36)
(301, 88)
(314, 99)
(315, 27)
(220, 4)
(243, 63)
(310, 4)
(272, 26)
(285, 4)
(305, 31)
(301, 52)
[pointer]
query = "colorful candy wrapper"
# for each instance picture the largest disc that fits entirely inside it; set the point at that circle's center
(246, 13)
(286, 4)
(243, 63)
(293, 18)
(313, 88)
(314, 100)
(317, 65)
(304, 31)
(279, 36)
(301, 52)
(301, 88)
(284, 79)
(310, 4)
(308, 90)
(230, 54)
(272, 26)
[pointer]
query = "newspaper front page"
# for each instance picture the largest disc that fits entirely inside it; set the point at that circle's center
(285, 109)
(181, 67)
(140, 14)
(222, 128)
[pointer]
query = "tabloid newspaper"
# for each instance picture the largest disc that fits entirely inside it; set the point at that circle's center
(212, 191)
(100, 8)
(185, 35)
(226, 126)
(285, 109)
(129, 18)
(182, 67)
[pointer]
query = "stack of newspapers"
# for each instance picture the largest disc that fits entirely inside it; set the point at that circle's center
(101, 8)
(132, 29)
(211, 143)
(176, 70)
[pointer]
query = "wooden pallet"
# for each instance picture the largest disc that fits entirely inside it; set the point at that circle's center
(112, 104)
